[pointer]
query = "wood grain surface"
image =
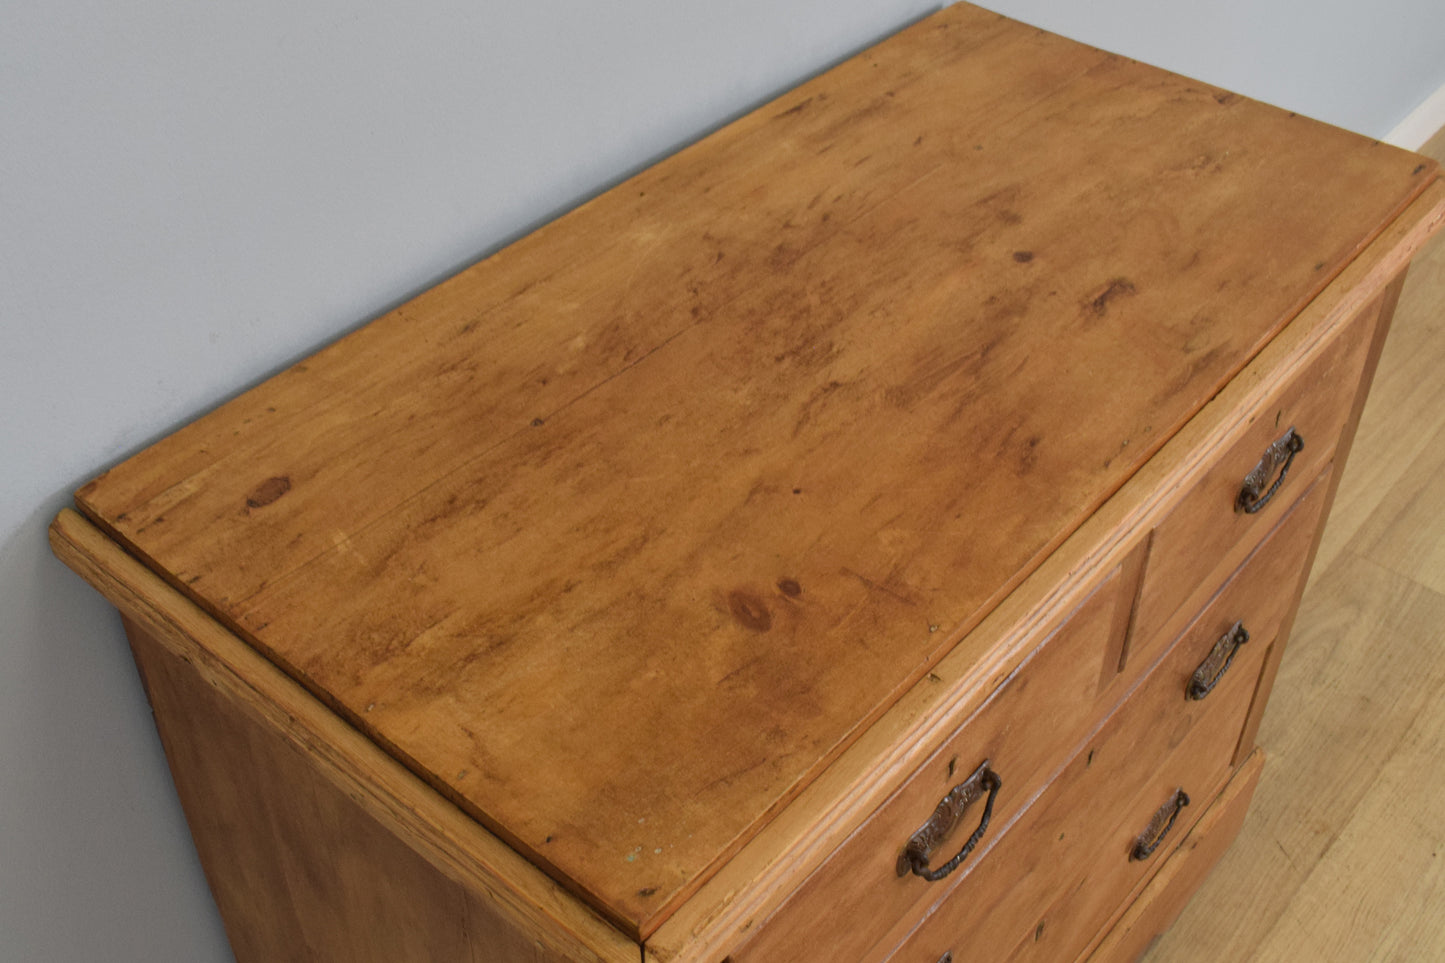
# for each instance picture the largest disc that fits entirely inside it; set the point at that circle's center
(1167, 893)
(295, 812)
(768, 867)
(620, 536)
(300, 871)
(1027, 731)
(1339, 859)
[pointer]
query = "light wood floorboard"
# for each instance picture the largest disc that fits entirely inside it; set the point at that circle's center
(1340, 857)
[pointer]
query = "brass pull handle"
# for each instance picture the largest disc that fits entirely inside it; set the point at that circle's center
(1159, 826)
(1278, 456)
(1217, 662)
(950, 809)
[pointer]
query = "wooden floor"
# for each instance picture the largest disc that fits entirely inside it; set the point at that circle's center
(1341, 856)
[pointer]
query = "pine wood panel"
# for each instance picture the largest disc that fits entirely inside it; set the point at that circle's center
(1324, 762)
(347, 775)
(1104, 883)
(1385, 309)
(1085, 824)
(300, 871)
(1259, 594)
(583, 519)
(1027, 731)
(1205, 537)
(1337, 860)
(1168, 892)
(765, 870)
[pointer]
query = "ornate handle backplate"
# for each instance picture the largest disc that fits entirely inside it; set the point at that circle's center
(1159, 826)
(1217, 662)
(915, 856)
(1277, 457)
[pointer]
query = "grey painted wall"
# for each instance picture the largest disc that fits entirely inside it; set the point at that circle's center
(193, 195)
(1359, 64)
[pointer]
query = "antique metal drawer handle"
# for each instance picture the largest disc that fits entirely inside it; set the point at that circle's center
(1216, 663)
(951, 808)
(1159, 826)
(1278, 455)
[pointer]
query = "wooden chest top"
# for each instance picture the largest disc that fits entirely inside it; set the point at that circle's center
(621, 535)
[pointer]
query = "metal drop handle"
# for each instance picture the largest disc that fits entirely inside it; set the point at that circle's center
(1217, 662)
(915, 856)
(1159, 826)
(1278, 456)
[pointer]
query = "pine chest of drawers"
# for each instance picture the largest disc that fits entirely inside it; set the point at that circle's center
(869, 534)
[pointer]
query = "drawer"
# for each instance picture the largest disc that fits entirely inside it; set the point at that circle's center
(1016, 900)
(1205, 536)
(1163, 899)
(1258, 596)
(1027, 730)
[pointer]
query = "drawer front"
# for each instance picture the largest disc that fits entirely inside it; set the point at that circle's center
(1162, 900)
(1027, 730)
(1259, 597)
(1064, 868)
(1205, 537)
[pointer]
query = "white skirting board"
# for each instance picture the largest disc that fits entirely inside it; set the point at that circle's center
(1422, 123)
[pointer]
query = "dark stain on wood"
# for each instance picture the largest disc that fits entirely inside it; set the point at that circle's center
(1023, 257)
(818, 399)
(933, 372)
(790, 587)
(1116, 288)
(797, 108)
(268, 491)
(749, 611)
(1029, 455)
(878, 586)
